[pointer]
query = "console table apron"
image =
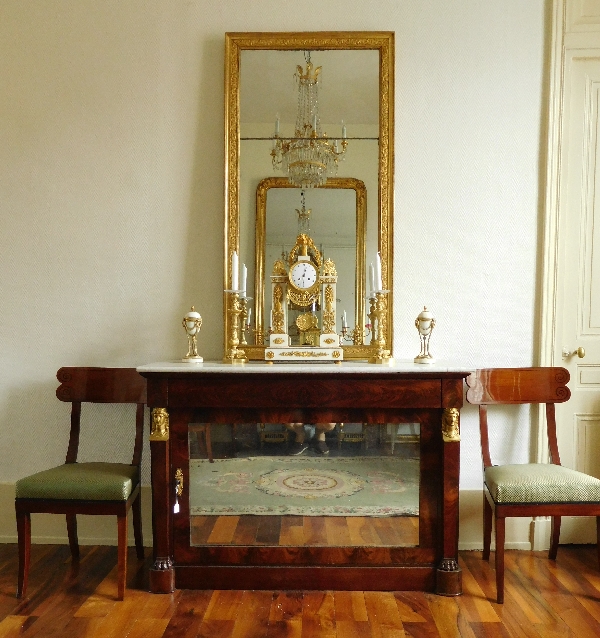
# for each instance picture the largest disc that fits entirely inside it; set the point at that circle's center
(183, 393)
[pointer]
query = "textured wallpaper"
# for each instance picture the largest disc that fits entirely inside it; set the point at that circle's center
(111, 191)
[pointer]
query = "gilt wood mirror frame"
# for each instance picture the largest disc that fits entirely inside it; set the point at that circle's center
(382, 45)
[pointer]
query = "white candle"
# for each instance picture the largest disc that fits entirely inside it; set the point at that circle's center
(344, 320)
(244, 277)
(234, 271)
(378, 280)
(277, 124)
(249, 316)
(371, 278)
(343, 130)
(315, 123)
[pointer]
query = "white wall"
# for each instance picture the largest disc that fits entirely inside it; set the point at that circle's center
(111, 188)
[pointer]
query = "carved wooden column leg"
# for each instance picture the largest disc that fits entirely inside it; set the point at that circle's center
(162, 574)
(449, 574)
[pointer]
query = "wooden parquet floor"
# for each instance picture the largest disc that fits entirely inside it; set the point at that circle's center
(543, 599)
(334, 531)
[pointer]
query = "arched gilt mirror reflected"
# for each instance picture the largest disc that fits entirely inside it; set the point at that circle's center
(309, 125)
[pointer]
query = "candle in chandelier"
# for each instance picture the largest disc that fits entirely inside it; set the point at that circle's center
(371, 278)
(249, 317)
(277, 124)
(315, 123)
(378, 279)
(244, 277)
(234, 271)
(343, 130)
(344, 320)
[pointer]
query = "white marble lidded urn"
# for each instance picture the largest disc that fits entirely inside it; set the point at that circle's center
(191, 324)
(425, 324)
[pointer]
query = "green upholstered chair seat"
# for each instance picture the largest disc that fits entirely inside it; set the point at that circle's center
(80, 481)
(540, 483)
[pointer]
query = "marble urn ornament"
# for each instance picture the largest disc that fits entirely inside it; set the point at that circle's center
(425, 324)
(191, 324)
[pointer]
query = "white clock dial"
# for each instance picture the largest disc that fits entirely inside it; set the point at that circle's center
(303, 275)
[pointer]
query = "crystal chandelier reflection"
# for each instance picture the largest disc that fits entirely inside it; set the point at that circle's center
(303, 216)
(310, 156)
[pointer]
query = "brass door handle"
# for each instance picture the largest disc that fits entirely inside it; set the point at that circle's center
(580, 352)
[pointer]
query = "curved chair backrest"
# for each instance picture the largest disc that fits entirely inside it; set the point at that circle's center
(101, 385)
(497, 386)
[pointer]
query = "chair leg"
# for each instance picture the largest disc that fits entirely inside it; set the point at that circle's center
(208, 444)
(500, 529)
(598, 537)
(136, 510)
(234, 439)
(554, 537)
(487, 528)
(72, 533)
(122, 555)
(24, 536)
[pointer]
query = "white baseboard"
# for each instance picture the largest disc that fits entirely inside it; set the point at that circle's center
(521, 533)
(52, 529)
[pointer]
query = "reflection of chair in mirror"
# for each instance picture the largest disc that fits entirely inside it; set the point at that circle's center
(198, 430)
(87, 488)
(402, 433)
(276, 433)
(352, 433)
(529, 489)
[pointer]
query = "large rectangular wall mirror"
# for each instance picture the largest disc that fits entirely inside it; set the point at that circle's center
(351, 207)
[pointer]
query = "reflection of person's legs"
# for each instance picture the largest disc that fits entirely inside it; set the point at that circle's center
(299, 445)
(320, 445)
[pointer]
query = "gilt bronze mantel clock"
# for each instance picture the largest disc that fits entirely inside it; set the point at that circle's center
(306, 282)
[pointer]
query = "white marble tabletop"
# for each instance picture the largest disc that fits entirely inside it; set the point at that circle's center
(262, 367)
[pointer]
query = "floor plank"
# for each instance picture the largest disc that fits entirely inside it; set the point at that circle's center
(543, 599)
(333, 531)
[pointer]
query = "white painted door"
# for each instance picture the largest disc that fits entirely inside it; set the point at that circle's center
(578, 269)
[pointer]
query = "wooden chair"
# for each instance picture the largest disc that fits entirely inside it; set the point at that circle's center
(202, 430)
(352, 437)
(87, 488)
(531, 489)
(274, 435)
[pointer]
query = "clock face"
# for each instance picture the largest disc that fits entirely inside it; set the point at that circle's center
(303, 275)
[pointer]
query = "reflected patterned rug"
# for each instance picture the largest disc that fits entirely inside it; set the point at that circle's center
(309, 486)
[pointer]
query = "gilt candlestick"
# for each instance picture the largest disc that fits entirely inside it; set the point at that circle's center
(234, 355)
(245, 315)
(378, 309)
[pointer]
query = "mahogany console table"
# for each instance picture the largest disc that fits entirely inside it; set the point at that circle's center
(184, 393)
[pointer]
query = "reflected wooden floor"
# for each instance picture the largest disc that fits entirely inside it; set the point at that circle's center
(316, 531)
(323, 531)
(543, 598)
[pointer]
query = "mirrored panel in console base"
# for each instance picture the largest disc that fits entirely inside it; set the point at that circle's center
(334, 484)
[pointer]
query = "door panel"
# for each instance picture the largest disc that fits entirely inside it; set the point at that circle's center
(578, 271)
